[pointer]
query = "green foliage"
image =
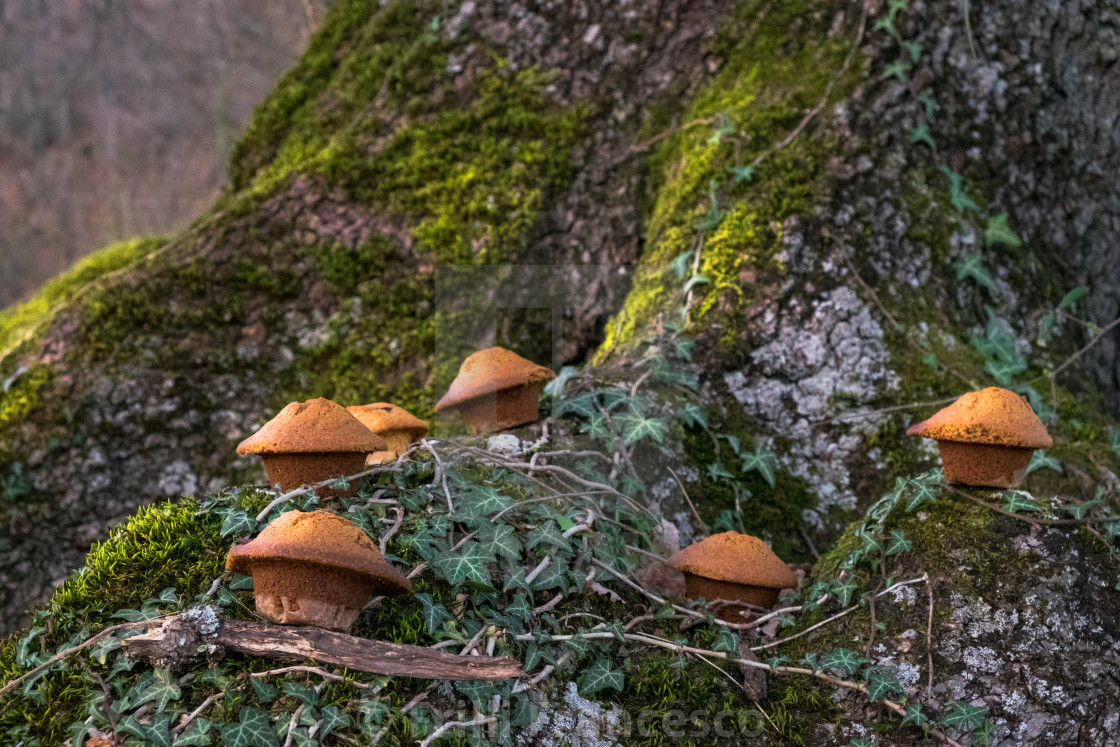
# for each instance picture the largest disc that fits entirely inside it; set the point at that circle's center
(997, 232)
(972, 266)
(252, 729)
(601, 675)
(23, 320)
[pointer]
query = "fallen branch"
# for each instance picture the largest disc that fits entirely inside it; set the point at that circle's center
(205, 633)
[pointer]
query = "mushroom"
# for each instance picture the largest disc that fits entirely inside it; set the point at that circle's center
(314, 568)
(396, 425)
(986, 438)
(308, 442)
(733, 567)
(496, 389)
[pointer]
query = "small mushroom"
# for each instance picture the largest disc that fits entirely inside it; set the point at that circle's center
(396, 425)
(496, 389)
(986, 438)
(733, 567)
(308, 442)
(314, 568)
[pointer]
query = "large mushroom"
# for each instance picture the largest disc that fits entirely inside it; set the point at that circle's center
(313, 441)
(314, 568)
(733, 567)
(496, 389)
(396, 425)
(986, 438)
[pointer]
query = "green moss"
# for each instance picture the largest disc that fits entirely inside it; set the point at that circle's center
(162, 545)
(770, 77)
(19, 322)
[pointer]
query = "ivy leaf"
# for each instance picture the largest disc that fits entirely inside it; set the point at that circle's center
(843, 589)
(155, 734)
(896, 69)
(915, 716)
(972, 266)
(695, 280)
(480, 501)
(266, 693)
(965, 717)
(196, 735)
(1073, 297)
(921, 134)
(776, 661)
(251, 730)
(468, 564)
(812, 661)
(741, 174)
(931, 106)
(1016, 501)
(579, 646)
(679, 264)
(693, 415)
(733, 442)
(843, 661)
(860, 743)
(299, 692)
(555, 388)
(714, 216)
(762, 461)
(1079, 512)
(549, 534)
(724, 126)
(998, 232)
(434, 612)
(239, 582)
(898, 543)
(726, 641)
(881, 682)
(163, 689)
(238, 523)
(1040, 460)
(25, 657)
(372, 710)
(957, 194)
(717, 473)
(332, 719)
(923, 493)
(601, 675)
(636, 426)
(984, 733)
(914, 49)
(478, 693)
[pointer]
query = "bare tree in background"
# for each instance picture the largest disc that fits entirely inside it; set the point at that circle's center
(116, 118)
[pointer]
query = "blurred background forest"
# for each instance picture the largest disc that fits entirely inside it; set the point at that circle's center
(117, 118)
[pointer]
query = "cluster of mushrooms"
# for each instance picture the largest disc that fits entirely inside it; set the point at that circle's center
(318, 568)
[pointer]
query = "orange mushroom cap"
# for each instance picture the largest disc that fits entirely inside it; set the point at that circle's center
(489, 371)
(381, 417)
(321, 538)
(735, 558)
(317, 426)
(992, 416)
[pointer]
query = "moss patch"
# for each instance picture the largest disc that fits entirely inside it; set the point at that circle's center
(19, 322)
(777, 65)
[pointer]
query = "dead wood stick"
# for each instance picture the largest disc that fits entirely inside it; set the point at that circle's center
(190, 635)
